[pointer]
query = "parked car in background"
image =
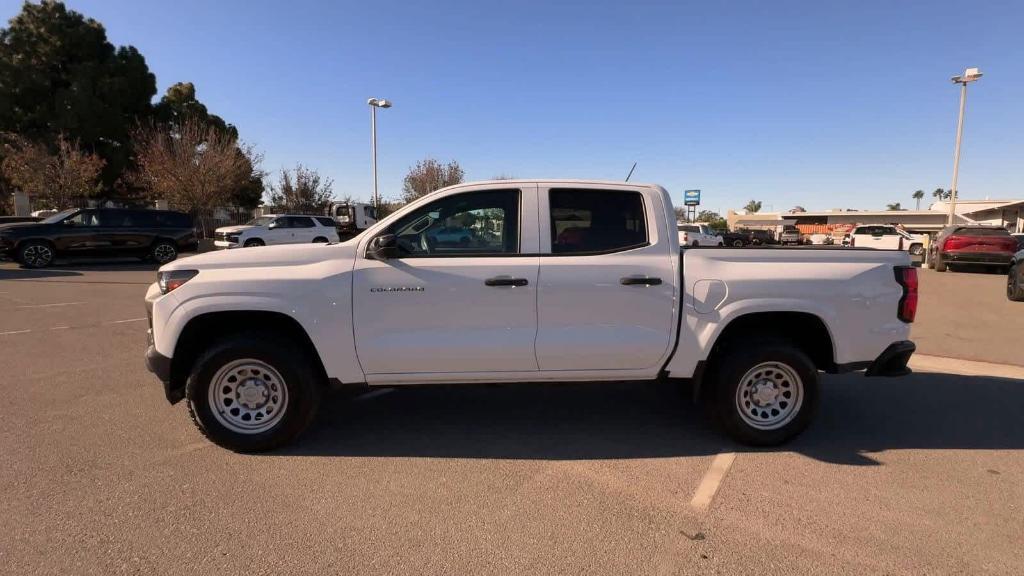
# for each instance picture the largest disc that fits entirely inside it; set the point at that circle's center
(351, 218)
(698, 235)
(18, 219)
(887, 237)
(250, 339)
(821, 239)
(1015, 277)
(974, 244)
(761, 237)
(271, 229)
(790, 235)
(159, 235)
(734, 239)
(1020, 239)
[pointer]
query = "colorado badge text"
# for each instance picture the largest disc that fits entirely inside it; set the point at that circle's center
(397, 289)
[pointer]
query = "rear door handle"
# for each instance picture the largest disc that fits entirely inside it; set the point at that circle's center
(506, 281)
(639, 280)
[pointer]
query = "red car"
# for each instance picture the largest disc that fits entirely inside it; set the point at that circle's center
(975, 244)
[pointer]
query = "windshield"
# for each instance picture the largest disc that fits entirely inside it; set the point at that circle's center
(261, 221)
(59, 216)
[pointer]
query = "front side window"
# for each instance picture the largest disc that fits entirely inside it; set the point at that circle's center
(593, 221)
(87, 218)
(468, 224)
(325, 221)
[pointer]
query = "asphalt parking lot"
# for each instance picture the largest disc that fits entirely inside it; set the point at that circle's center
(923, 474)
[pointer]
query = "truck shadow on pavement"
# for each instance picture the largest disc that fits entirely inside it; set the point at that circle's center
(596, 421)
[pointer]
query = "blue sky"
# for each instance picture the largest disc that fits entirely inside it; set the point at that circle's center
(823, 104)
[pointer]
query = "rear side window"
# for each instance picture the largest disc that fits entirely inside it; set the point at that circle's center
(325, 221)
(594, 221)
(301, 222)
(172, 220)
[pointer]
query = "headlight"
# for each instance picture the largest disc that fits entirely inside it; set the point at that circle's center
(171, 280)
(233, 237)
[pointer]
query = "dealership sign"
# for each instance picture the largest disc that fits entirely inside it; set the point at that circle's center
(691, 197)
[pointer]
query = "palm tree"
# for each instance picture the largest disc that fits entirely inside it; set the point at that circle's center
(893, 207)
(917, 196)
(940, 194)
(753, 207)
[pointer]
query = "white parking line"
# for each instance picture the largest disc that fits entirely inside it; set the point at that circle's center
(14, 332)
(50, 305)
(124, 321)
(712, 481)
(60, 327)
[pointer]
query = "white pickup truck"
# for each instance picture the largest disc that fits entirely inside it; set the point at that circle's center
(698, 235)
(560, 281)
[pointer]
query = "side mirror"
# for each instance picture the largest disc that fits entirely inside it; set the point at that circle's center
(383, 247)
(68, 222)
(272, 225)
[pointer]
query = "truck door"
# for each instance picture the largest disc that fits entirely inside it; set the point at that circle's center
(607, 286)
(450, 308)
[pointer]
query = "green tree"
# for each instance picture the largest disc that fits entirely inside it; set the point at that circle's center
(753, 207)
(893, 207)
(179, 103)
(918, 195)
(60, 75)
(714, 219)
(428, 176)
(940, 194)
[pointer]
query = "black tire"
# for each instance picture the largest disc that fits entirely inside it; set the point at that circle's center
(319, 240)
(163, 251)
(300, 388)
(1015, 284)
(36, 254)
(916, 249)
(940, 266)
(786, 369)
(737, 243)
(253, 242)
(695, 244)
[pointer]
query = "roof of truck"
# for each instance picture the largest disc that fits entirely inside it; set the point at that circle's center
(556, 181)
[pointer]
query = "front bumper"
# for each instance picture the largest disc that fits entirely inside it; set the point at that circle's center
(224, 244)
(160, 365)
(893, 360)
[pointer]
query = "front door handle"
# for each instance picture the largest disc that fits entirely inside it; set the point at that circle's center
(506, 281)
(639, 280)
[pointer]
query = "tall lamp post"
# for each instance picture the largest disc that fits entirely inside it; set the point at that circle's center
(374, 104)
(969, 75)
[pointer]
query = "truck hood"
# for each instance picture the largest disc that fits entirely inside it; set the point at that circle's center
(264, 257)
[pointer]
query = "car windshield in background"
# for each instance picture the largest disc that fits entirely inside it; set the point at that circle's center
(261, 221)
(59, 216)
(688, 228)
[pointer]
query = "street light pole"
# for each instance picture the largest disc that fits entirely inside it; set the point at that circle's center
(969, 75)
(375, 103)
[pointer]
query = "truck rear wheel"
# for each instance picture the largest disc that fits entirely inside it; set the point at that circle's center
(766, 392)
(252, 392)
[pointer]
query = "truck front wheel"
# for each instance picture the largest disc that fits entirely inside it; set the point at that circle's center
(766, 392)
(252, 392)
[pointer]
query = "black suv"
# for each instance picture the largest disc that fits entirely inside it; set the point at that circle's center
(99, 232)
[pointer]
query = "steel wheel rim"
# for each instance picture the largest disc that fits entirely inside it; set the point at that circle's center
(164, 253)
(248, 396)
(769, 396)
(37, 255)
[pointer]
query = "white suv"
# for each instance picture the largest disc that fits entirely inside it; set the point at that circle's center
(886, 237)
(272, 229)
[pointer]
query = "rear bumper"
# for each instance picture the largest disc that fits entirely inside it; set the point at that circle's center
(977, 257)
(893, 360)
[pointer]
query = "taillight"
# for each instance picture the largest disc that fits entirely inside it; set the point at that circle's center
(906, 276)
(955, 243)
